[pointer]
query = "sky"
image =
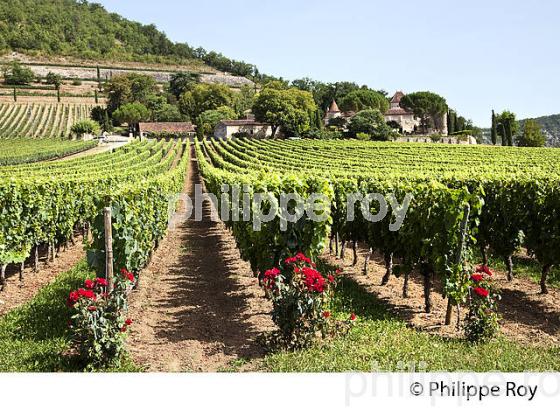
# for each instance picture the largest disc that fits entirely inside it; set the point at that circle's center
(479, 55)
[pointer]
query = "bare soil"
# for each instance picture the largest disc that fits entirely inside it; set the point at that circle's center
(198, 307)
(526, 315)
(17, 292)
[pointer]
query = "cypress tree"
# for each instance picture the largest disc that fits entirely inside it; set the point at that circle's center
(96, 97)
(318, 119)
(15, 94)
(494, 130)
(107, 125)
(450, 125)
(58, 94)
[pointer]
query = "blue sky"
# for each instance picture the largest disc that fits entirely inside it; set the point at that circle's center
(478, 54)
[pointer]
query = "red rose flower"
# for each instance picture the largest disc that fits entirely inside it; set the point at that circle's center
(302, 258)
(353, 316)
(270, 278)
(101, 281)
(326, 314)
(338, 271)
(86, 293)
(130, 277)
(484, 269)
(330, 278)
(477, 277)
(92, 308)
(123, 329)
(128, 322)
(88, 284)
(73, 298)
(481, 292)
(289, 261)
(314, 281)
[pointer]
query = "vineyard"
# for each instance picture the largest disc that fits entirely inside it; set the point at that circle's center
(464, 200)
(40, 120)
(45, 204)
(200, 303)
(22, 151)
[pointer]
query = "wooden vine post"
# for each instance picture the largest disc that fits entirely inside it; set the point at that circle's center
(459, 260)
(108, 248)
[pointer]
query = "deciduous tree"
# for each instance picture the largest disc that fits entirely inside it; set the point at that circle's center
(291, 109)
(532, 135)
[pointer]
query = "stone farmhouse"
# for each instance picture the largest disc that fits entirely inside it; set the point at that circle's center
(227, 128)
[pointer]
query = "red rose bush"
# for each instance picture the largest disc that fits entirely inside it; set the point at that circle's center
(300, 296)
(482, 319)
(99, 321)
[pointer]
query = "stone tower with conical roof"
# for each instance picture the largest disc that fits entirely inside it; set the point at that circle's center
(332, 112)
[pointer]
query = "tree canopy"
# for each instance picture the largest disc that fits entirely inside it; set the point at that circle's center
(370, 122)
(292, 109)
(532, 135)
(132, 114)
(363, 99)
(207, 121)
(130, 88)
(507, 127)
(204, 97)
(87, 30)
(427, 106)
(16, 74)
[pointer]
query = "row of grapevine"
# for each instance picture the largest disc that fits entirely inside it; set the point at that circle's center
(44, 203)
(13, 152)
(462, 198)
(40, 120)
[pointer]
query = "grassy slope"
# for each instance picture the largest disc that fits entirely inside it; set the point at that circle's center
(35, 336)
(381, 342)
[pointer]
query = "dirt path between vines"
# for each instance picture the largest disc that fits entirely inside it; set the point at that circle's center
(198, 307)
(527, 315)
(17, 292)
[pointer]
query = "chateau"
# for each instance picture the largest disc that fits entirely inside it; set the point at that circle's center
(404, 119)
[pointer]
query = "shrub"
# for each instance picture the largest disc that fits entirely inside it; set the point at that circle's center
(16, 74)
(86, 126)
(300, 296)
(99, 324)
(363, 136)
(482, 319)
(77, 82)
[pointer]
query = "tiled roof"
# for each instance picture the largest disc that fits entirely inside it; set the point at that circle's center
(242, 122)
(398, 111)
(178, 127)
(334, 107)
(397, 97)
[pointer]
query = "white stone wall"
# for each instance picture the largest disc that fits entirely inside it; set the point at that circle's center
(469, 140)
(226, 131)
(407, 122)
